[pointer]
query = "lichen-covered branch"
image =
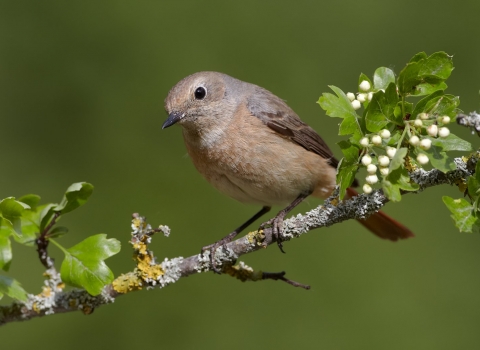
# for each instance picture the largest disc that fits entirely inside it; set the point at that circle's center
(471, 121)
(149, 273)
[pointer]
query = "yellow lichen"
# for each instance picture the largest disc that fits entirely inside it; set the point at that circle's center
(242, 272)
(126, 283)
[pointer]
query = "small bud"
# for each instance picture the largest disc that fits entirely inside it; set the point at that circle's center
(422, 158)
(445, 119)
(367, 189)
(443, 132)
(371, 168)
(384, 171)
(384, 134)
(370, 96)
(366, 160)
(364, 85)
(383, 160)
(371, 179)
(432, 130)
(362, 97)
(351, 96)
(376, 140)
(423, 116)
(414, 140)
(418, 122)
(356, 104)
(391, 152)
(364, 142)
(426, 144)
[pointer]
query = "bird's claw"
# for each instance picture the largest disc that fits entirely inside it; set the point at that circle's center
(276, 224)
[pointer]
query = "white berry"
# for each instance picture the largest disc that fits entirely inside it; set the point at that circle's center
(351, 96)
(432, 130)
(383, 160)
(367, 188)
(366, 160)
(362, 97)
(376, 140)
(418, 122)
(384, 171)
(443, 132)
(364, 142)
(371, 179)
(423, 116)
(391, 152)
(356, 104)
(414, 140)
(364, 85)
(370, 96)
(384, 134)
(426, 144)
(371, 168)
(422, 158)
(445, 119)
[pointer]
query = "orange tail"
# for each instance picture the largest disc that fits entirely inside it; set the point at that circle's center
(382, 225)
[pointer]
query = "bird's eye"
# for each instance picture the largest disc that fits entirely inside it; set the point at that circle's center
(200, 93)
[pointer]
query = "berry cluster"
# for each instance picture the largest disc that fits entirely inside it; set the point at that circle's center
(361, 97)
(429, 125)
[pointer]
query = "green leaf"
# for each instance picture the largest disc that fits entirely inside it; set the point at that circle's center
(477, 171)
(429, 88)
(452, 143)
(443, 105)
(439, 159)
(398, 179)
(84, 266)
(382, 78)
(420, 106)
(350, 126)
(391, 190)
(408, 78)
(5, 250)
(437, 66)
(473, 186)
(462, 213)
(76, 196)
(31, 200)
(337, 106)
(398, 159)
(12, 288)
(346, 175)
(381, 108)
(11, 210)
(46, 215)
(350, 152)
(418, 57)
(58, 231)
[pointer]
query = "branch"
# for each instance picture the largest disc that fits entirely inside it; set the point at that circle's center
(149, 273)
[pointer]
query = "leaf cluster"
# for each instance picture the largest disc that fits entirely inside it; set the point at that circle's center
(391, 105)
(30, 223)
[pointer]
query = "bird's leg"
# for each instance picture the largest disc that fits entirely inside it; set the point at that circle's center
(277, 221)
(227, 239)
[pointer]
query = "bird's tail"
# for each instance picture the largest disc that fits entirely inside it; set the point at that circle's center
(382, 225)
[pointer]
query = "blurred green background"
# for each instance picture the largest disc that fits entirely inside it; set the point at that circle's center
(82, 89)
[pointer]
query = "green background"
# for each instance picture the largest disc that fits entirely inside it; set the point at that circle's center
(82, 89)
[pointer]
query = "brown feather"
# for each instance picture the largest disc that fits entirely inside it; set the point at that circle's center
(283, 120)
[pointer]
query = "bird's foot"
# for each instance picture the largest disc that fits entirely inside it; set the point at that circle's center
(276, 224)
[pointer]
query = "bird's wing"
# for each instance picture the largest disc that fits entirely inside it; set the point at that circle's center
(276, 115)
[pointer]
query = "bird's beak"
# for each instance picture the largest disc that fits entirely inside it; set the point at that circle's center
(173, 118)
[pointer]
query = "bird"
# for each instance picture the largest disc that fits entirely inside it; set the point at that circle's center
(250, 145)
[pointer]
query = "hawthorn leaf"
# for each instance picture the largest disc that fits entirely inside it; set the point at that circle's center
(12, 288)
(382, 78)
(462, 213)
(77, 195)
(84, 264)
